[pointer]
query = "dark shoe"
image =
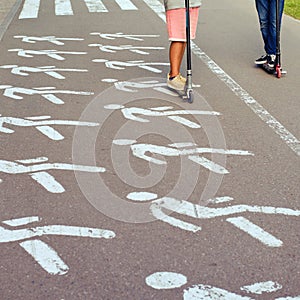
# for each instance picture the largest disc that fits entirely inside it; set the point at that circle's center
(270, 65)
(262, 60)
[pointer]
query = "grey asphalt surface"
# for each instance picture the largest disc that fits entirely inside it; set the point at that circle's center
(256, 110)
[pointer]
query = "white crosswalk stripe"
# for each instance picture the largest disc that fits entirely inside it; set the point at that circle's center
(63, 8)
(126, 5)
(31, 8)
(95, 6)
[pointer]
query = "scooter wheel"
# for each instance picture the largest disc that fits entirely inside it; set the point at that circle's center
(190, 97)
(278, 71)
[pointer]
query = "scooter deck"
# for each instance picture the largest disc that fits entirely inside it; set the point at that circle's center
(277, 72)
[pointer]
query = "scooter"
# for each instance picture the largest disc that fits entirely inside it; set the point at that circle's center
(278, 72)
(278, 69)
(188, 92)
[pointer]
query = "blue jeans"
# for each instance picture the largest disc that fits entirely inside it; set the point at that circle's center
(266, 10)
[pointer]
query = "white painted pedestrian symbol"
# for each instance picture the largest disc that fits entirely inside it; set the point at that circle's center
(134, 49)
(42, 123)
(135, 113)
(48, 70)
(133, 86)
(46, 92)
(172, 280)
(55, 54)
(196, 211)
(37, 169)
(191, 150)
(41, 252)
(50, 39)
(118, 35)
(122, 65)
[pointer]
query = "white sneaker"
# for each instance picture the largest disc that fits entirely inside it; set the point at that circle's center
(176, 83)
(182, 78)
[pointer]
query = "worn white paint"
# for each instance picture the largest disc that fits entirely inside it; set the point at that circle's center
(21, 221)
(196, 211)
(208, 164)
(141, 196)
(286, 136)
(194, 154)
(42, 124)
(157, 212)
(255, 231)
(132, 86)
(50, 39)
(183, 145)
(35, 160)
(45, 256)
(36, 169)
(30, 9)
(289, 298)
(41, 252)
(48, 182)
(134, 113)
(207, 292)
(203, 212)
(130, 48)
(262, 287)
(45, 92)
(126, 5)
(14, 235)
(50, 132)
(95, 6)
(134, 37)
(122, 65)
(48, 70)
(185, 122)
(63, 8)
(172, 280)
(218, 200)
(11, 167)
(124, 142)
(52, 53)
(166, 280)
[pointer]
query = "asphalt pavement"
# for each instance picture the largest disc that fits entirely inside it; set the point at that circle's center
(113, 187)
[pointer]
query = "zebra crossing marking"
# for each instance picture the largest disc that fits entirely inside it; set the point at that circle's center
(63, 8)
(31, 8)
(126, 5)
(95, 6)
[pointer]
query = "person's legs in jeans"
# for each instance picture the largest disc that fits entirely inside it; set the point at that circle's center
(262, 7)
(266, 10)
(272, 24)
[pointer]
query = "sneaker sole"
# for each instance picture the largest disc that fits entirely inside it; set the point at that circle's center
(174, 88)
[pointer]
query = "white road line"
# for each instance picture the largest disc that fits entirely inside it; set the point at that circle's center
(95, 6)
(21, 221)
(63, 8)
(126, 5)
(45, 256)
(255, 231)
(30, 9)
(258, 109)
(262, 287)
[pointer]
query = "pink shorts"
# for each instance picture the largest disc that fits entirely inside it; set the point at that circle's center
(177, 26)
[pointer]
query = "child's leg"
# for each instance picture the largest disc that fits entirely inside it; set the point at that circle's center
(176, 53)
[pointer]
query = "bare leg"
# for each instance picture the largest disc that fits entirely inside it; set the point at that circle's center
(176, 53)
